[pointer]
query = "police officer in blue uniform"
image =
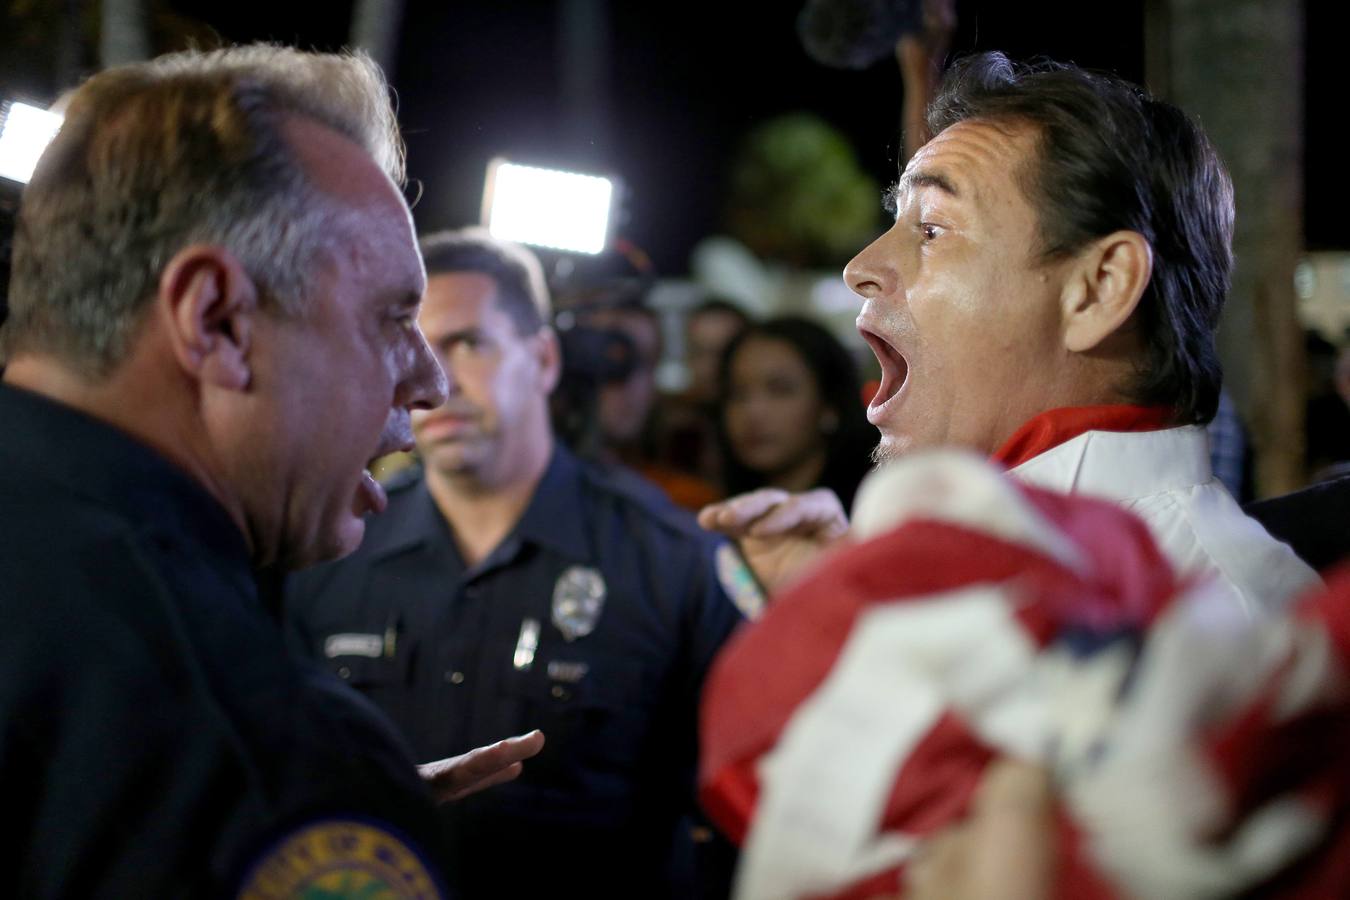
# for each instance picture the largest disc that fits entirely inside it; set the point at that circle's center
(176, 416)
(158, 739)
(511, 586)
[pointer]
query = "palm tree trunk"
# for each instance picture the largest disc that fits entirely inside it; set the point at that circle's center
(125, 35)
(375, 29)
(1238, 66)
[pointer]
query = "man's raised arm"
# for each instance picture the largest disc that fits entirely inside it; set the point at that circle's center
(780, 534)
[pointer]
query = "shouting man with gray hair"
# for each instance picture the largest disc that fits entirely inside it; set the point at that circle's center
(213, 330)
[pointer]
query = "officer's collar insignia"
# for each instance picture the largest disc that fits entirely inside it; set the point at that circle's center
(578, 600)
(340, 858)
(739, 582)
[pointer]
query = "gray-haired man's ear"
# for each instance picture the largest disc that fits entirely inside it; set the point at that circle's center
(209, 305)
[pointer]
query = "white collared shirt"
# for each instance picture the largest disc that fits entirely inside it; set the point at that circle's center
(1164, 478)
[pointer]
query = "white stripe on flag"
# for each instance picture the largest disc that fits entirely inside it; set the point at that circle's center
(824, 787)
(1150, 805)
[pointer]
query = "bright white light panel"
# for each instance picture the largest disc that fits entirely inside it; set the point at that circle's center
(25, 132)
(547, 207)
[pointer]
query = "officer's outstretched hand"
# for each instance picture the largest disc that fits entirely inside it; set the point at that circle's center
(459, 776)
(779, 533)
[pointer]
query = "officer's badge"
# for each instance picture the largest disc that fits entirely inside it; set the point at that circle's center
(340, 858)
(578, 600)
(739, 582)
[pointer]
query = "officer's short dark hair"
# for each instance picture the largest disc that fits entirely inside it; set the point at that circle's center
(1110, 157)
(521, 290)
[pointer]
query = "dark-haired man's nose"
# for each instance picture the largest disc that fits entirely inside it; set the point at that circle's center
(870, 273)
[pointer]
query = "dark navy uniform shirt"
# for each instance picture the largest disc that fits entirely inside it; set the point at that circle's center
(463, 656)
(156, 739)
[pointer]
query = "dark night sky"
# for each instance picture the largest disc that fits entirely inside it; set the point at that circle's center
(687, 81)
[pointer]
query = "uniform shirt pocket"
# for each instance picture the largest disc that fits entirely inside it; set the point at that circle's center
(597, 726)
(374, 664)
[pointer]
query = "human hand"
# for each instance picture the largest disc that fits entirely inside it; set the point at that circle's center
(1004, 849)
(459, 776)
(779, 534)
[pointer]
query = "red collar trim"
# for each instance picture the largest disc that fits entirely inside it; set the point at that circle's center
(1057, 426)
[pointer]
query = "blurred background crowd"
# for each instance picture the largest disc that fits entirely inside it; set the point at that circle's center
(710, 342)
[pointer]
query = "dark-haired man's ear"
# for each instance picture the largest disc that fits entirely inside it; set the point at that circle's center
(208, 303)
(1107, 280)
(548, 354)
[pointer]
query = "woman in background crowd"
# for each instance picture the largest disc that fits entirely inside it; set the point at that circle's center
(791, 414)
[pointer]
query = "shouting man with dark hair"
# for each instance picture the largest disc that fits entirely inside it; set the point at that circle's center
(1048, 295)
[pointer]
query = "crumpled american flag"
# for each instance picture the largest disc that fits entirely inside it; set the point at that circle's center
(1195, 751)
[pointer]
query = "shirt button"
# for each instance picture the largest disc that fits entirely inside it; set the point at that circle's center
(344, 672)
(454, 677)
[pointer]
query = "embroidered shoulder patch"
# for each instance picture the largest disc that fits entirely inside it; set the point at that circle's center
(739, 582)
(340, 858)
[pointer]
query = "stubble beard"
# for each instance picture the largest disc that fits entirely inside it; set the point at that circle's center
(884, 452)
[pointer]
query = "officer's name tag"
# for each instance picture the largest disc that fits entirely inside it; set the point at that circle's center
(570, 672)
(371, 645)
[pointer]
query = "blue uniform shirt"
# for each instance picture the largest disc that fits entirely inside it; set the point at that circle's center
(595, 620)
(156, 739)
